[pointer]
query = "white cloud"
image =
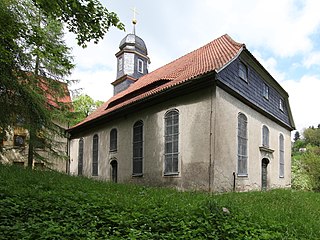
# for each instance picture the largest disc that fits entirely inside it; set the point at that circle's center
(95, 84)
(270, 64)
(312, 59)
(284, 27)
(273, 30)
(304, 99)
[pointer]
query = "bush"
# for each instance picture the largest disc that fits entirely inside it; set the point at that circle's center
(306, 169)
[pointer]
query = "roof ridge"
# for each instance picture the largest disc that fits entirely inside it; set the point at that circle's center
(208, 58)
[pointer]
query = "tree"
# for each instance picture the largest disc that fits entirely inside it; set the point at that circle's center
(88, 19)
(33, 56)
(312, 136)
(84, 105)
(296, 136)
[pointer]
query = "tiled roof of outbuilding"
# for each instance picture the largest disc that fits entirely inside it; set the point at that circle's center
(211, 57)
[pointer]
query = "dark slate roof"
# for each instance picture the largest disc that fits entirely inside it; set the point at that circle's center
(132, 42)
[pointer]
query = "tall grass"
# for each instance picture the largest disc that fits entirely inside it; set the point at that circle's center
(49, 205)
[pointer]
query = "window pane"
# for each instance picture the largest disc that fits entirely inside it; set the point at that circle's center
(265, 136)
(80, 157)
(113, 140)
(242, 144)
(95, 155)
(137, 160)
(171, 141)
(175, 163)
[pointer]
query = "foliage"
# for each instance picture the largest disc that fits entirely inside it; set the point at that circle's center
(300, 179)
(296, 136)
(311, 165)
(312, 136)
(34, 56)
(84, 105)
(306, 164)
(31, 82)
(88, 19)
(49, 205)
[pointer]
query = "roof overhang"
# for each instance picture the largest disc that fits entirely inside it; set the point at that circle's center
(161, 96)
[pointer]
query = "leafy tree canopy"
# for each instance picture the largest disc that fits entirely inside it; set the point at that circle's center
(88, 19)
(33, 56)
(83, 106)
(312, 136)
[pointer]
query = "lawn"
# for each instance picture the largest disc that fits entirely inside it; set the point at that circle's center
(49, 205)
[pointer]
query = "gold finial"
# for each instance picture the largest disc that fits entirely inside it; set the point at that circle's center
(134, 20)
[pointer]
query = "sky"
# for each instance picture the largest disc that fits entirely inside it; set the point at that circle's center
(284, 35)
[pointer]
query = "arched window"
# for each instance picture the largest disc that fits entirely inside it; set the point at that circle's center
(113, 140)
(80, 157)
(95, 152)
(242, 145)
(137, 161)
(171, 142)
(281, 156)
(265, 136)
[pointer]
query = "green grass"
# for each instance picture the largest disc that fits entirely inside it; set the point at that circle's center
(49, 205)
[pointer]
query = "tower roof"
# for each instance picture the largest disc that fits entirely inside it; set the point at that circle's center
(133, 42)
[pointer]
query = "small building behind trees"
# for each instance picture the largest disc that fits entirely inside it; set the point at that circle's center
(50, 149)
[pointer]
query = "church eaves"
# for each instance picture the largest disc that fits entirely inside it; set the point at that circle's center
(211, 57)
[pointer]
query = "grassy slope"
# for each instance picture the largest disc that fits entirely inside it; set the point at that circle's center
(47, 205)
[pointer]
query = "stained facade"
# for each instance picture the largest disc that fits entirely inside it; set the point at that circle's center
(213, 120)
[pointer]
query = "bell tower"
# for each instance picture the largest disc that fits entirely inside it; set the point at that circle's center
(132, 60)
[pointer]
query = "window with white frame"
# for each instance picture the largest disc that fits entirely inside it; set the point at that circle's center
(171, 141)
(242, 145)
(140, 66)
(95, 151)
(137, 160)
(265, 136)
(281, 156)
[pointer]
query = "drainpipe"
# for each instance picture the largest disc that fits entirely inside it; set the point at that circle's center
(211, 162)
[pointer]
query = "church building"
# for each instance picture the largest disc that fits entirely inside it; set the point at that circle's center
(213, 119)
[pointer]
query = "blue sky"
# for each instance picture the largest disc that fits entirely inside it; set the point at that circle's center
(284, 35)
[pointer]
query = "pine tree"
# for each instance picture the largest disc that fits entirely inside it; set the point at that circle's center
(33, 57)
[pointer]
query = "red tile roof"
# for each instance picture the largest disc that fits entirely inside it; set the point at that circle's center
(211, 57)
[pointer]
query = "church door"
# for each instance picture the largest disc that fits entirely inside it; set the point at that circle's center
(264, 174)
(114, 170)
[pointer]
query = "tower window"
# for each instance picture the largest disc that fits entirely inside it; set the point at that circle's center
(140, 66)
(120, 64)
